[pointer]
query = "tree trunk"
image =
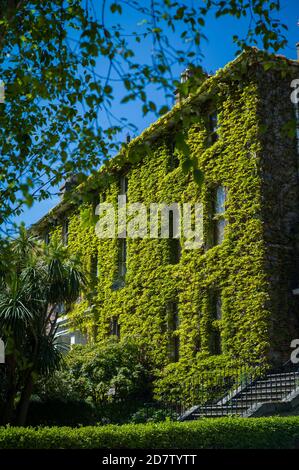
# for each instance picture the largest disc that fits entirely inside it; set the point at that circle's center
(8, 410)
(25, 401)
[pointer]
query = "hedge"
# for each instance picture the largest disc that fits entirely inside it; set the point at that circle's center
(219, 433)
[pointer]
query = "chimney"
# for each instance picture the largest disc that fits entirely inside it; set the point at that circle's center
(68, 185)
(185, 75)
(297, 47)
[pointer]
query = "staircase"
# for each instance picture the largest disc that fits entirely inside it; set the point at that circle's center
(274, 391)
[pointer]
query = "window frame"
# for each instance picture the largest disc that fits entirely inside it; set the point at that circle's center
(219, 216)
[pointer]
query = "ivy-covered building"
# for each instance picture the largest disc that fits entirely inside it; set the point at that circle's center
(232, 300)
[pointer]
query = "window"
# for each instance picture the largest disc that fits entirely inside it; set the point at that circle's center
(114, 327)
(216, 346)
(174, 160)
(213, 127)
(120, 274)
(94, 266)
(76, 338)
(219, 215)
(65, 231)
(218, 308)
(72, 340)
(174, 243)
(197, 336)
(123, 185)
(47, 238)
(60, 309)
(173, 325)
(122, 266)
(175, 250)
(96, 205)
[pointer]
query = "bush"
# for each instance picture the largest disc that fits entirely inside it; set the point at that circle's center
(230, 433)
(106, 372)
(153, 413)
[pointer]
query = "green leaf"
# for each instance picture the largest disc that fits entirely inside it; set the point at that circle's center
(116, 7)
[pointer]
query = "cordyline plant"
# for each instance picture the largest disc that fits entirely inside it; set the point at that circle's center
(64, 63)
(35, 280)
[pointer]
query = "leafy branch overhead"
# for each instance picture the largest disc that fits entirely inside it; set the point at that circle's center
(68, 64)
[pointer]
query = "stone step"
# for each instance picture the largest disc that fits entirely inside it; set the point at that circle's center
(216, 412)
(283, 380)
(214, 415)
(271, 388)
(280, 377)
(216, 407)
(262, 394)
(258, 385)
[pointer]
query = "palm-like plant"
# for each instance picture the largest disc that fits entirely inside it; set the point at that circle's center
(37, 278)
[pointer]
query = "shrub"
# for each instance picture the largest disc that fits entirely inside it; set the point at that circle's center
(152, 413)
(99, 373)
(227, 433)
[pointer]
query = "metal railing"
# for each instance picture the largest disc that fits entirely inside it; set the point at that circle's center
(233, 390)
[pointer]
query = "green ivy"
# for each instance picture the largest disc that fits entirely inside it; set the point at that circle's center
(236, 268)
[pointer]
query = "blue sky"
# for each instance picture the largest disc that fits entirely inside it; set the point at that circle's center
(218, 50)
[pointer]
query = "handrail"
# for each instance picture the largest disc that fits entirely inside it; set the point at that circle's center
(245, 388)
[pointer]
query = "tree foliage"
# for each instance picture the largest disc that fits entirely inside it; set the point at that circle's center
(36, 281)
(100, 373)
(64, 62)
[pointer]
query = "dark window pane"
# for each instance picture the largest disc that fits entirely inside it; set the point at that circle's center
(47, 238)
(215, 340)
(213, 124)
(174, 250)
(123, 257)
(174, 160)
(220, 225)
(220, 200)
(115, 327)
(218, 308)
(123, 185)
(65, 231)
(173, 325)
(219, 221)
(174, 243)
(94, 265)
